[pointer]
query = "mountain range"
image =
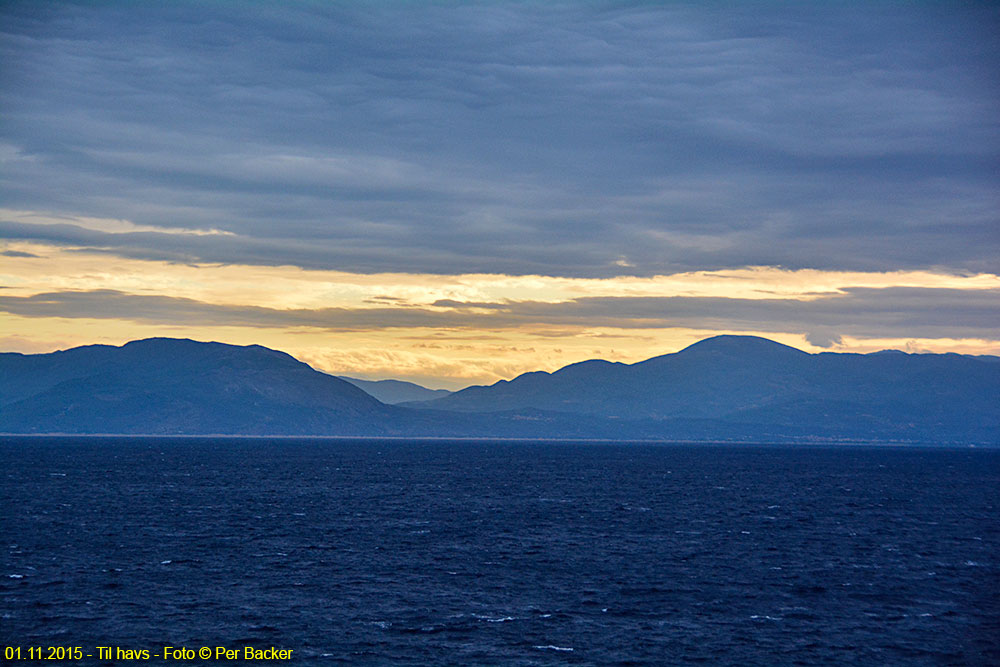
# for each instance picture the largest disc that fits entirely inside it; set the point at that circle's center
(723, 388)
(396, 391)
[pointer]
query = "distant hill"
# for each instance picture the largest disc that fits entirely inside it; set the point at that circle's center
(738, 388)
(760, 385)
(163, 385)
(396, 391)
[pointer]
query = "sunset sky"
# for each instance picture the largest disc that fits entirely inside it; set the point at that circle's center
(457, 193)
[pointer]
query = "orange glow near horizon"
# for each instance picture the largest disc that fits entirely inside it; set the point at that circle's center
(449, 354)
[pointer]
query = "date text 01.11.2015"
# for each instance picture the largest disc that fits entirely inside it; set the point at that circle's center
(36, 653)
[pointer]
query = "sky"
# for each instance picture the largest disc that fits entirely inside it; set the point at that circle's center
(456, 193)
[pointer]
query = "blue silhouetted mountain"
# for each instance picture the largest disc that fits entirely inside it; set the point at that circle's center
(712, 378)
(164, 385)
(726, 383)
(723, 388)
(396, 391)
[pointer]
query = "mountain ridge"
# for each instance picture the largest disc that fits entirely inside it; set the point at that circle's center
(395, 391)
(727, 387)
(747, 379)
(179, 386)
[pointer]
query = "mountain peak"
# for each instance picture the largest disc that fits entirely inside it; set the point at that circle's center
(174, 346)
(173, 385)
(732, 344)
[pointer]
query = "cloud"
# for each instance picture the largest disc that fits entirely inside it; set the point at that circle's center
(111, 304)
(823, 338)
(858, 312)
(553, 139)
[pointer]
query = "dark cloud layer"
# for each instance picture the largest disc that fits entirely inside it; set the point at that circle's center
(860, 312)
(578, 139)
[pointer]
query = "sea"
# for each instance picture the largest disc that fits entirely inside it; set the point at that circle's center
(438, 552)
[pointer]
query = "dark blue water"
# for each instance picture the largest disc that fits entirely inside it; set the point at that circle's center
(377, 552)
